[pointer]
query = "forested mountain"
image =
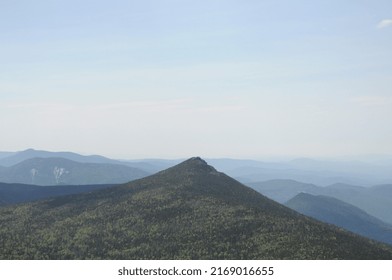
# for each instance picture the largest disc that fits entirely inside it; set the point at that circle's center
(339, 213)
(60, 171)
(189, 211)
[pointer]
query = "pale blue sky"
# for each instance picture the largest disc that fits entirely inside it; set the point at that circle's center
(211, 78)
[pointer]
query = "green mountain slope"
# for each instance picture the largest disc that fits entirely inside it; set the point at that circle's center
(189, 211)
(339, 213)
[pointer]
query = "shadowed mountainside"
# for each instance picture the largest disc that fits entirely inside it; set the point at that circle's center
(19, 193)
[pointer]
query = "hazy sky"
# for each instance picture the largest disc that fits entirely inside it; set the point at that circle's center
(166, 78)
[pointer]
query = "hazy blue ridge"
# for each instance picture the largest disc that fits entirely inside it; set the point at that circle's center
(341, 214)
(60, 171)
(376, 200)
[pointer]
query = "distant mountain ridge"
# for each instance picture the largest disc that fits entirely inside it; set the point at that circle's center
(339, 213)
(310, 171)
(5, 154)
(189, 211)
(8, 159)
(18, 157)
(283, 190)
(376, 200)
(60, 171)
(318, 172)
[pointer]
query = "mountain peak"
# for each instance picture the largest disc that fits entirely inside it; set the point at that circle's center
(196, 164)
(304, 195)
(28, 151)
(192, 166)
(198, 160)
